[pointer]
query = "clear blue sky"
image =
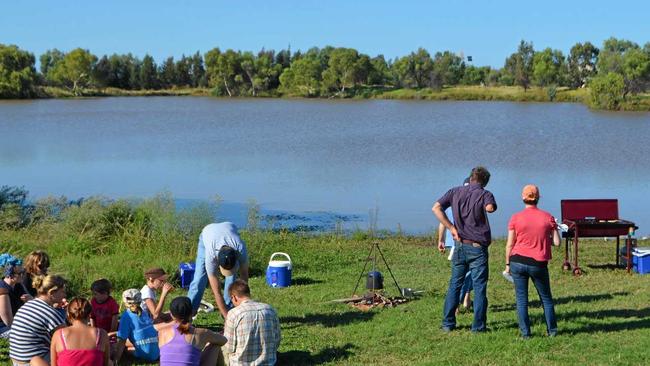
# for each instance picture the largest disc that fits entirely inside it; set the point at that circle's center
(487, 30)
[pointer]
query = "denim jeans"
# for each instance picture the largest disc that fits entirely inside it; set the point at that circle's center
(200, 281)
(468, 286)
(467, 258)
(520, 274)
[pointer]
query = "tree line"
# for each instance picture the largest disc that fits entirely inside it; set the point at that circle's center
(618, 69)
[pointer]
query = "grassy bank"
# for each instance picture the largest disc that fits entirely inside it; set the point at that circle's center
(56, 92)
(493, 93)
(603, 316)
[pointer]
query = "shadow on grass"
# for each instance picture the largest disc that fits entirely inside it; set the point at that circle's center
(327, 320)
(597, 320)
(559, 301)
(608, 266)
(329, 354)
(303, 281)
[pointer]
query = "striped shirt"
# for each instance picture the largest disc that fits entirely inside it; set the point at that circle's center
(32, 330)
(253, 333)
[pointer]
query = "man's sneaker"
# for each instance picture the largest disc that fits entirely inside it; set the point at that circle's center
(446, 329)
(206, 307)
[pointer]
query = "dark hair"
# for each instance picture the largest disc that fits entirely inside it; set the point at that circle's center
(239, 288)
(181, 309)
(480, 175)
(79, 309)
(103, 286)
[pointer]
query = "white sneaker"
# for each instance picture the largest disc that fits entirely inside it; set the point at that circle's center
(206, 307)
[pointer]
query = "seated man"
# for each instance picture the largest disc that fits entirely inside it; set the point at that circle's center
(252, 329)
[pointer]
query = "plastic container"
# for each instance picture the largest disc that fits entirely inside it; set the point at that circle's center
(186, 270)
(641, 260)
(278, 273)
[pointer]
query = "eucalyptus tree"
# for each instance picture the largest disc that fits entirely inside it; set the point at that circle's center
(49, 59)
(581, 64)
(224, 71)
(549, 67)
(148, 73)
(520, 64)
(449, 66)
(342, 70)
(74, 70)
(17, 72)
(302, 78)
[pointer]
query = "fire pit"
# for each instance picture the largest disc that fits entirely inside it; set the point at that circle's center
(376, 299)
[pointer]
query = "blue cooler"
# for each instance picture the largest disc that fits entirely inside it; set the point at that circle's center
(186, 270)
(278, 273)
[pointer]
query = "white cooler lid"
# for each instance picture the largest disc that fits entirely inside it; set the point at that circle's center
(279, 264)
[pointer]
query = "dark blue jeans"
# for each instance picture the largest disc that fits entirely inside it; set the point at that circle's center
(475, 260)
(520, 274)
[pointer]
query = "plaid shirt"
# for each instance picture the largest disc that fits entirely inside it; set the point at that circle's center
(253, 332)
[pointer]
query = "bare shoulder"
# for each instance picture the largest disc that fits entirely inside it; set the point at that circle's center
(165, 327)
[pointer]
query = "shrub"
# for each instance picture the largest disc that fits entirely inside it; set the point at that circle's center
(607, 91)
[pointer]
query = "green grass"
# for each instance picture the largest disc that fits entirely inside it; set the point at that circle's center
(603, 316)
(489, 93)
(57, 92)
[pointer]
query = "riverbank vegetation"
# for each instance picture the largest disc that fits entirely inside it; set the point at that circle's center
(614, 77)
(604, 311)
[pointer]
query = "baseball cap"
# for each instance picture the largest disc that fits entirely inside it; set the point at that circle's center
(181, 307)
(228, 259)
(131, 296)
(530, 193)
(155, 272)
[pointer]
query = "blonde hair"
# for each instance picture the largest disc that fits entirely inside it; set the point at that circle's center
(37, 263)
(45, 285)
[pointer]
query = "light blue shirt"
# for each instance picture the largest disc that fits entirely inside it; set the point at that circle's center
(215, 236)
(449, 240)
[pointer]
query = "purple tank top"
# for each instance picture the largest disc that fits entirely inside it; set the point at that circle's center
(179, 352)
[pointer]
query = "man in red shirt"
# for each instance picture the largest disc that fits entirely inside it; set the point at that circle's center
(528, 251)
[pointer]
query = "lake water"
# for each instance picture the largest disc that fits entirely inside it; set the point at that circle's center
(319, 162)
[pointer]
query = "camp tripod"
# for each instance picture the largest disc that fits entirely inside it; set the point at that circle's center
(375, 280)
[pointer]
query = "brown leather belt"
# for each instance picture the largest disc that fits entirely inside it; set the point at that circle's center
(472, 243)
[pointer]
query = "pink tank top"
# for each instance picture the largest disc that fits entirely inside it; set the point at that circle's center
(80, 357)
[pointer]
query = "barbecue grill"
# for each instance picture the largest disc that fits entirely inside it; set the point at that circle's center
(594, 218)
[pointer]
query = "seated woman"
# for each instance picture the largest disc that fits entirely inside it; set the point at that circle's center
(182, 344)
(12, 293)
(80, 344)
(36, 264)
(35, 321)
(137, 327)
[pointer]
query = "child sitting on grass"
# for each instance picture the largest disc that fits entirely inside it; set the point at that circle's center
(105, 309)
(156, 280)
(137, 327)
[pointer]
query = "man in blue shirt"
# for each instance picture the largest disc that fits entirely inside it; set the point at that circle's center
(220, 250)
(471, 232)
